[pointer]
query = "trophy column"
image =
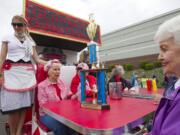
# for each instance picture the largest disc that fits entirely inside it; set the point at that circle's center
(101, 103)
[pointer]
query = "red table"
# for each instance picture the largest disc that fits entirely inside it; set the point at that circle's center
(86, 121)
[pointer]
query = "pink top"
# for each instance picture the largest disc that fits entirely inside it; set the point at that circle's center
(47, 93)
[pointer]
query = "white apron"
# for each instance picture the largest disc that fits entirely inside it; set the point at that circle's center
(19, 77)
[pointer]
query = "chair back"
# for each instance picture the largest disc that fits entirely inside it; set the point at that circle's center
(41, 75)
(66, 75)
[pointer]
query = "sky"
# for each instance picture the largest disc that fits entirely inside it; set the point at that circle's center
(111, 15)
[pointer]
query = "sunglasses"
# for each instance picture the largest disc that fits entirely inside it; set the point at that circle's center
(17, 24)
(78, 68)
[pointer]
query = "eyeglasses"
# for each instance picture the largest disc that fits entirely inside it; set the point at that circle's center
(17, 24)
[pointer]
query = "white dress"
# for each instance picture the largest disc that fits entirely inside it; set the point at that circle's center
(13, 100)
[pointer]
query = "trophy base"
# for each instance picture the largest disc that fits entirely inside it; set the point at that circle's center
(95, 106)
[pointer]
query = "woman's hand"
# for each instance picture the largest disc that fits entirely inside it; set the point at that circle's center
(3, 54)
(126, 89)
(73, 97)
(36, 57)
(157, 98)
(94, 89)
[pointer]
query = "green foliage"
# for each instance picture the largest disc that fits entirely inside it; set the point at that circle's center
(149, 66)
(146, 65)
(128, 67)
(143, 64)
(157, 64)
(110, 67)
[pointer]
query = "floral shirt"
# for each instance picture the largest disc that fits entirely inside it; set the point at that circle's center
(47, 93)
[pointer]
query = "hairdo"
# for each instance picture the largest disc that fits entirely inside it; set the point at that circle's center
(118, 69)
(169, 29)
(20, 18)
(25, 22)
(50, 63)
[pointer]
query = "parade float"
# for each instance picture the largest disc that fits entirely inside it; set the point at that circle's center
(57, 34)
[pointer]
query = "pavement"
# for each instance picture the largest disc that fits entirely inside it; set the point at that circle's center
(3, 120)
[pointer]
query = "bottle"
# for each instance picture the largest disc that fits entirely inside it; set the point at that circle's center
(154, 86)
(149, 85)
(136, 86)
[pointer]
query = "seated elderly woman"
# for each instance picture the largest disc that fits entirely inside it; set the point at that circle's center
(166, 120)
(90, 82)
(53, 89)
(116, 76)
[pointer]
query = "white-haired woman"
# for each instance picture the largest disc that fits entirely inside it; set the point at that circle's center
(18, 73)
(53, 89)
(76, 83)
(117, 76)
(166, 119)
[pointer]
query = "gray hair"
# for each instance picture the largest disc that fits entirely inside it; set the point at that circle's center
(50, 63)
(169, 29)
(118, 70)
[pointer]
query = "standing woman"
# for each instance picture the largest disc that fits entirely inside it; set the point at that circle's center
(18, 74)
(167, 119)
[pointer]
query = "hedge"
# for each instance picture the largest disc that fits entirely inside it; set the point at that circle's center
(149, 66)
(128, 67)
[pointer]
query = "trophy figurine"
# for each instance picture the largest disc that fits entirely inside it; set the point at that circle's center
(91, 32)
(100, 101)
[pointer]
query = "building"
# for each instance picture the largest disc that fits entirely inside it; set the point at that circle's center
(133, 44)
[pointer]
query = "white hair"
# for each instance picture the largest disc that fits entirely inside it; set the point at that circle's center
(118, 70)
(50, 63)
(169, 29)
(83, 65)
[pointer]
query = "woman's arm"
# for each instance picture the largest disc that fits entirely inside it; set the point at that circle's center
(4, 49)
(126, 84)
(74, 85)
(36, 57)
(42, 96)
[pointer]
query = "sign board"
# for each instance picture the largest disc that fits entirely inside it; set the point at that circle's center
(47, 21)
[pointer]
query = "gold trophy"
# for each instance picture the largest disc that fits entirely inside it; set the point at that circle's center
(91, 28)
(91, 32)
(98, 102)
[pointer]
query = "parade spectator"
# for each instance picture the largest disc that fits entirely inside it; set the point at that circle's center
(117, 76)
(166, 121)
(134, 79)
(17, 51)
(52, 89)
(90, 82)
